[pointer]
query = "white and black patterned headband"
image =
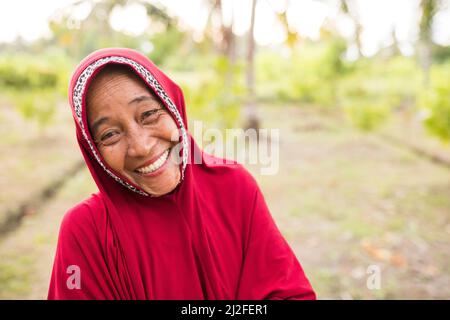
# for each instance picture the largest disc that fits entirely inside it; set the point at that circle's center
(78, 94)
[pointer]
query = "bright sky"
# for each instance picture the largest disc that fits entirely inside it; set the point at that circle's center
(28, 18)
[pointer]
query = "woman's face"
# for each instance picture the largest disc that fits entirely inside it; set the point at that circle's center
(133, 130)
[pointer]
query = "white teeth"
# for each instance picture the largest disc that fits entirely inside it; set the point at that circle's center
(155, 165)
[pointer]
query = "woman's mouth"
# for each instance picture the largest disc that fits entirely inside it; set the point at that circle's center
(156, 166)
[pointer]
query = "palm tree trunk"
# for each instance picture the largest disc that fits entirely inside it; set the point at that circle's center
(428, 8)
(252, 120)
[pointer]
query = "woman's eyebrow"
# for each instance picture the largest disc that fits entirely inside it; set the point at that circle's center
(142, 98)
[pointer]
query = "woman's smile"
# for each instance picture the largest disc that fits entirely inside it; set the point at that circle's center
(155, 166)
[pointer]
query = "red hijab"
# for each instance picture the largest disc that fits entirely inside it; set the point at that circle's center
(213, 237)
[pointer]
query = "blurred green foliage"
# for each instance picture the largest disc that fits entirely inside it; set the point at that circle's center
(368, 90)
(166, 46)
(307, 74)
(216, 96)
(19, 73)
(34, 84)
(378, 87)
(435, 100)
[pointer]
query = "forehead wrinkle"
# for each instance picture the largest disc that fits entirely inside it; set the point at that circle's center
(105, 86)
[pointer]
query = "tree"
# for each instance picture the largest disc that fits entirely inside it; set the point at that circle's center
(82, 37)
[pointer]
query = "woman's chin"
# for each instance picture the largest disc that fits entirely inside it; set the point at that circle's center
(162, 185)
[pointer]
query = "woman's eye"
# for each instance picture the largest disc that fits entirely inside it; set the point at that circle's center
(150, 116)
(107, 135)
(109, 138)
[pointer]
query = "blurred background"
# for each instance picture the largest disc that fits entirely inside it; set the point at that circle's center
(359, 90)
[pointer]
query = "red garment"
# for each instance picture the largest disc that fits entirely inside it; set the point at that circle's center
(213, 237)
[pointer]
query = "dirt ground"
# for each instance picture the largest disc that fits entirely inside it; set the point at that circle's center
(346, 201)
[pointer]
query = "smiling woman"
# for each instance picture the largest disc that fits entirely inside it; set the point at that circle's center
(161, 226)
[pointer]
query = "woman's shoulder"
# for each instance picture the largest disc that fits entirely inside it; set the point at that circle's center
(229, 173)
(82, 216)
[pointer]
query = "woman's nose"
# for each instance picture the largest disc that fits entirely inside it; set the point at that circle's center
(139, 143)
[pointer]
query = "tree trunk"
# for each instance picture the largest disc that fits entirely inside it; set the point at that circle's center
(349, 9)
(229, 50)
(252, 120)
(428, 8)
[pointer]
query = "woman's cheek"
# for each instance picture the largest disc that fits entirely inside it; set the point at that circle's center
(170, 130)
(113, 158)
